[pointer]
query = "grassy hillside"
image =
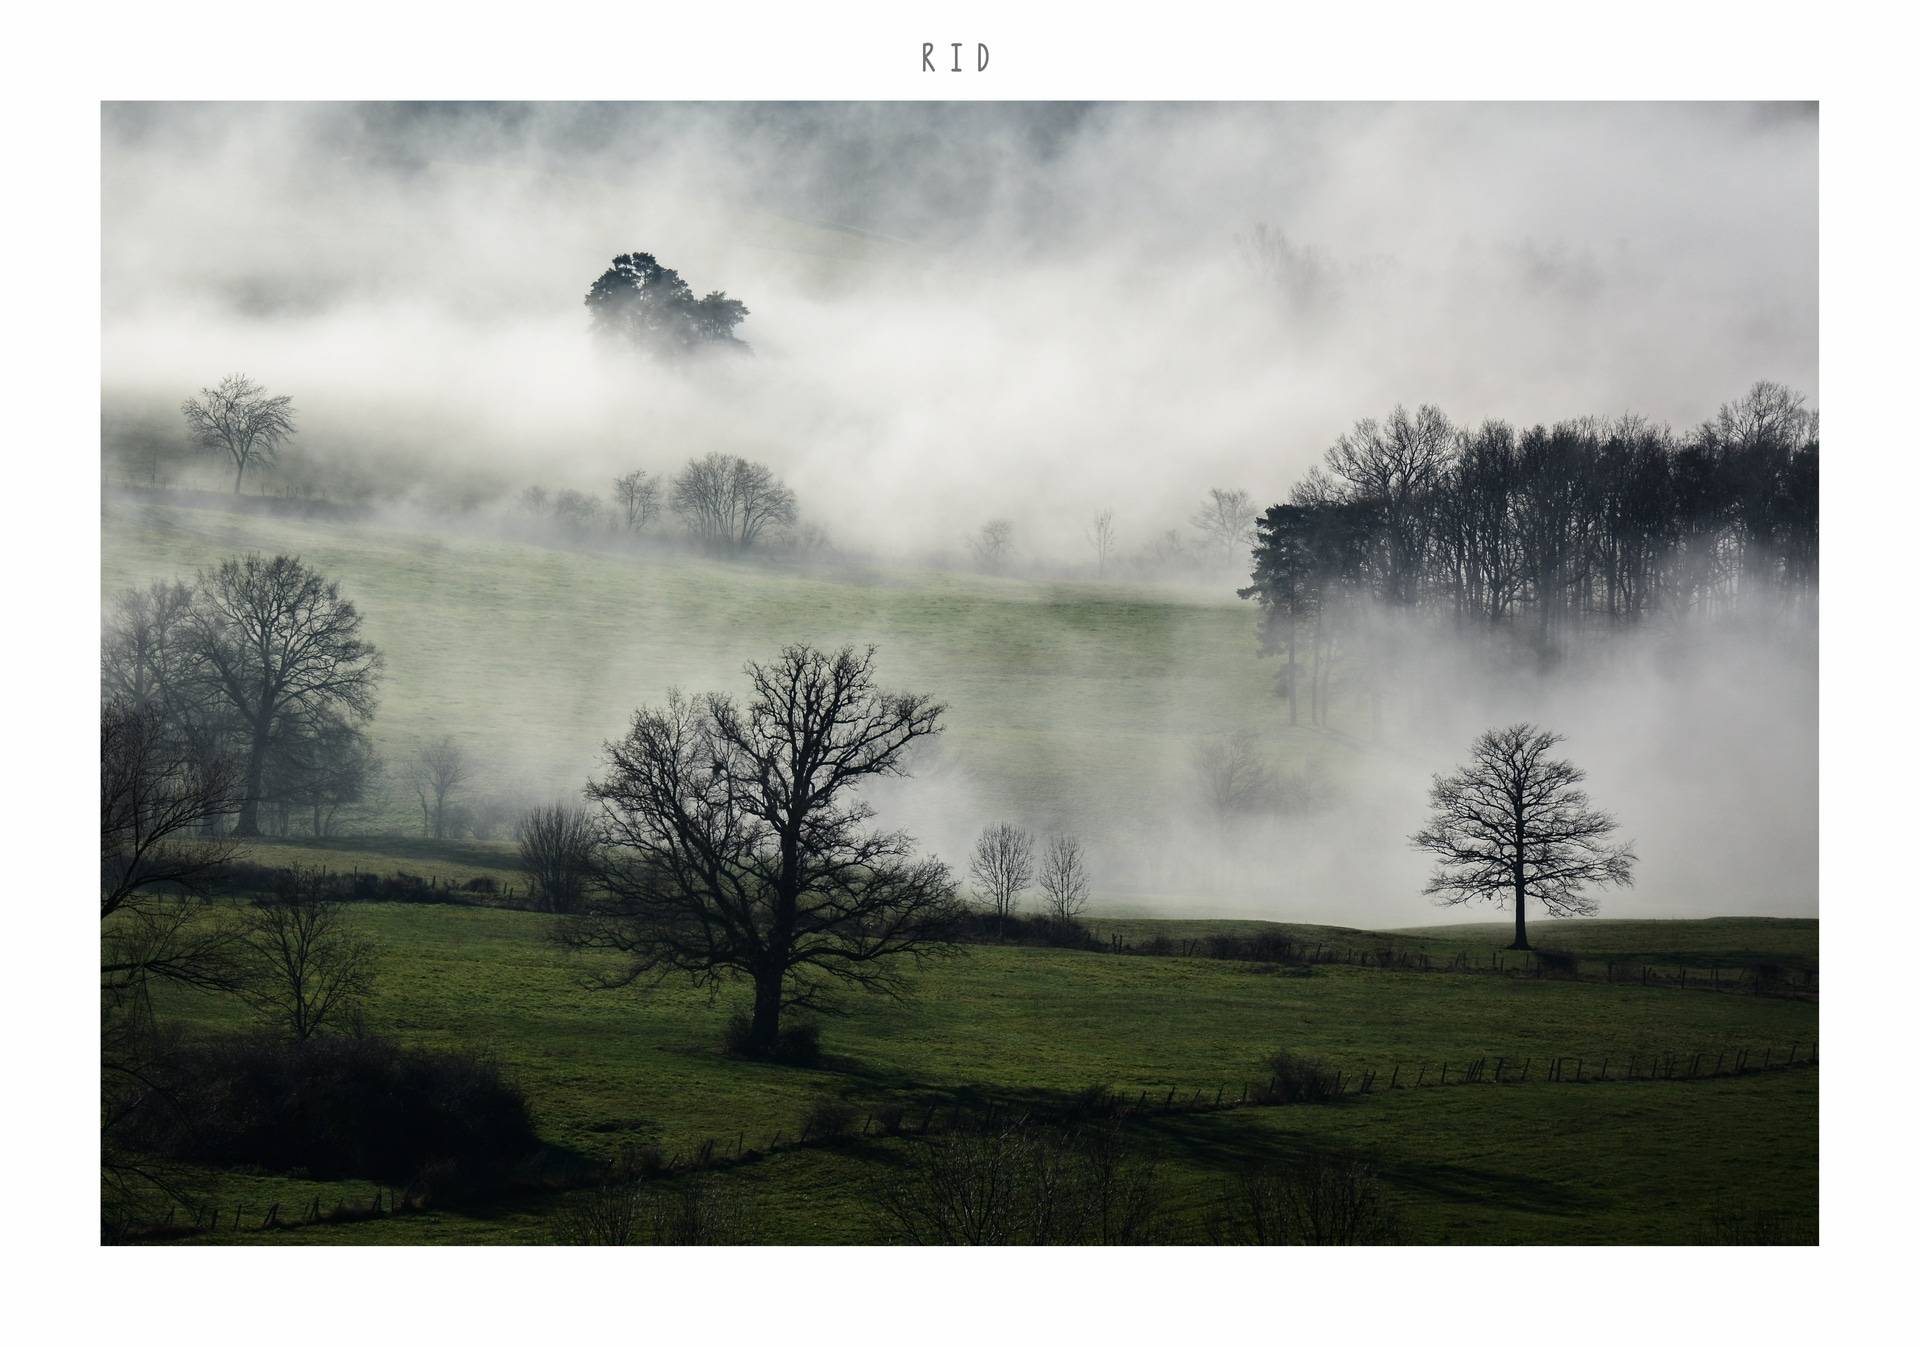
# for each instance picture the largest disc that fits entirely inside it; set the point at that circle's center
(1603, 1163)
(1062, 697)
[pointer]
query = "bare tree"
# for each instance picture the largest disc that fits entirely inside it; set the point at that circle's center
(556, 851)
(992, 545)
(534, 501)
(1233, 778)
(441, 768)
(1063, 878)
(637, 494)
(1100, 533)
(577, 512)
(1227, 521)
(163, 803)
(1002, 867)
(279, 642)
(308, 968)
(726, 501)
(237, 418)
(736, 841)
(1514, 825)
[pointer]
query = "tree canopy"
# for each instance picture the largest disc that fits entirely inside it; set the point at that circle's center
(639, 303)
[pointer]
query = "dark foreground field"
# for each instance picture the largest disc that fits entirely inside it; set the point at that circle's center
(1178, 1037)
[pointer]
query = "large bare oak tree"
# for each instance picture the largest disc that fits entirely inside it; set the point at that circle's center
(736, 841)
(1514, 825)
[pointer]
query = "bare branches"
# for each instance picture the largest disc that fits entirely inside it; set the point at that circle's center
(993, 545)
(1002, 866)
(1064, 879)
(556, 850)
(1227, 521)
(275, 642)
(1234, 780)
(728, 502)
(440, 768)
(308, 969)
(237, 418)
(1100, 533)
(734, 840)
(1515, 824)
(638, 496)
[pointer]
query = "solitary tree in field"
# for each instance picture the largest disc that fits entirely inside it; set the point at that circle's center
(308, 969)
(736, 841)
(1226, 520)
(237, 418)
(556, 851)
(1100, 533)
(440, 769)
(1002, 867)
(1514, 824)
(993, 544)
(1233, 778)
(278, 643)
(1063, 878)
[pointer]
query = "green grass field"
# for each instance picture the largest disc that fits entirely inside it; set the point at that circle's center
(1060, 695)
(1533, 1162)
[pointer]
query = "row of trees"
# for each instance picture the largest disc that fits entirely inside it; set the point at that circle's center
(726, 503)
(1542, 533)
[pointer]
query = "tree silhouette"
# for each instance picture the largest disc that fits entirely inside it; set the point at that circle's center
(1514, 825)
(642, 304)
(237, 418)
(735, 841)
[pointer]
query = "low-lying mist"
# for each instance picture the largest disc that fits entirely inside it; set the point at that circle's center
(958, 311)
(977, 311)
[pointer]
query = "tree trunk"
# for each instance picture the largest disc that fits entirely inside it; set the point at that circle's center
(765, 1034)
(249, 821)
(1520, 916)
(1293, 687)
(239, 468)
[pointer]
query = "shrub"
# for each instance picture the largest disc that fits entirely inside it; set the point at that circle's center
(1557, 963)
(1295, 1079)
(1024, 1184)
(608, 1213)
(1752, 1226)
(337, 1108)
(830, 1119)
(698, 1212)
(1322, 1200)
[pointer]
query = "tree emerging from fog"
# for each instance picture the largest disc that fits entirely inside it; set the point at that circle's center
(729, 503)
(647, 307)
(1514, 825)
(236, 418)
(278, 647)
(736, 841)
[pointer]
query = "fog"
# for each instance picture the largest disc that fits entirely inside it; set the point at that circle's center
(969, 311)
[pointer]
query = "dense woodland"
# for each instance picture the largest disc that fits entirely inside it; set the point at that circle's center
(1536, 537)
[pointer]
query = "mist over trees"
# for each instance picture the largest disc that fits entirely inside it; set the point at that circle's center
(640, 304)
(1538, 537)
